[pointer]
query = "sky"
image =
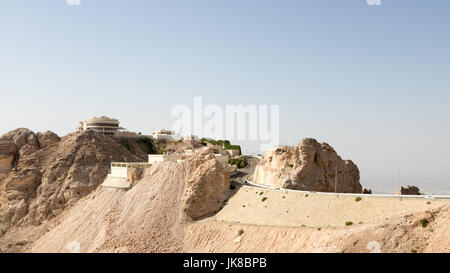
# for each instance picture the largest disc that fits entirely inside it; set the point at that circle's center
(372, 81)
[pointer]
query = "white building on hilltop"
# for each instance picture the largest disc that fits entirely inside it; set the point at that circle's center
(166, 135)
(104, 125)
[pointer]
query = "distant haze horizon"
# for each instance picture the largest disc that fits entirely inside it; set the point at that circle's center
(372, 81)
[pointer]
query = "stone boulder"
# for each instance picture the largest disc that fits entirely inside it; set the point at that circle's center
(134, 174)
(409, 190)
(207, 185)
(21, 137)
(309, 166)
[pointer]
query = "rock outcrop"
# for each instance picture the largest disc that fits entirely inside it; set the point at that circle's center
(48, 138)
(409, 190)
(7, 155)
(207, 184)
(43, 174)
(308, 166)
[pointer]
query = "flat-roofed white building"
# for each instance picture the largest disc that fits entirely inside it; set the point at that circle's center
(190, 138)
(166, 135)
(121, 169)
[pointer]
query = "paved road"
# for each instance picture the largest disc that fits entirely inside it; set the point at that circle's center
(246, 173)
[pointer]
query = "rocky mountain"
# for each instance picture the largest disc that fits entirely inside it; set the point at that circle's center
(42, 174)
(308, 166)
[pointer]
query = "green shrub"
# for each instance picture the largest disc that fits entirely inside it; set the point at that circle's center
(146, 145)
(348, 223)
(225, 143)
(240, 232)
(413, 251)
(238, 162)
(126, 144)
(291, 165)
(357, 199)
(264, 199)
(424, 222)
(261, 193)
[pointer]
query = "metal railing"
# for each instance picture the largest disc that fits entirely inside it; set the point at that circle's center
(249, 183)
(131, 164)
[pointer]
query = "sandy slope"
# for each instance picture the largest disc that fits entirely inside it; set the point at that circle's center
(283, 208)
(316, 223)
(145, 219)
(403, 234)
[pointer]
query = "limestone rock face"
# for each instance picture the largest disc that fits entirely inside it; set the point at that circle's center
(6, 163)
(43, 174)
(134, 174)
(21, 137)
(47, 138)
(207, 184)
(308, 166)
(8, 152)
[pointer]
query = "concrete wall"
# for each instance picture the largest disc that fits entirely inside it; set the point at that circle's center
(155, 158)
(160, 158)
(119, 172)
(168, 137)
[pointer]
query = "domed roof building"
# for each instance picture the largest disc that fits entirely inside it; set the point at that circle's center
(104, 125)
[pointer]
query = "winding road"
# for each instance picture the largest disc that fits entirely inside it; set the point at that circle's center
(246, 173)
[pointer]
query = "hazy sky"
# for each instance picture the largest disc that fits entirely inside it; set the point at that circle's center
(373, 81)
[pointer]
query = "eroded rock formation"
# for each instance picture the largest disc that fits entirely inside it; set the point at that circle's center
(308, 166)
(41, 174)
(207, 184)
(409, 190)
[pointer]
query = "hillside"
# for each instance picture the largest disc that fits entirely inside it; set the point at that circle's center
(400, 234)
(45, 174)
(148, 218)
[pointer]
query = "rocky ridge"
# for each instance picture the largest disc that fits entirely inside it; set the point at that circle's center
(42, 174)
